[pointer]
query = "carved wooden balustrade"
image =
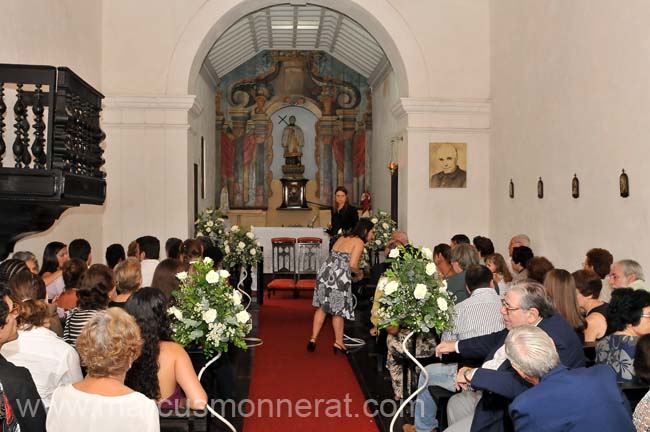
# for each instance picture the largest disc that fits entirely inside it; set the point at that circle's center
(50, 153)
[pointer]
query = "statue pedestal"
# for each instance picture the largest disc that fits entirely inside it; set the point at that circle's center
(294, 194)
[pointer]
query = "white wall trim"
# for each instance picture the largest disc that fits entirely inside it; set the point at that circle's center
(209, 74)
(444, 114)
(150, 111)
(380, 73)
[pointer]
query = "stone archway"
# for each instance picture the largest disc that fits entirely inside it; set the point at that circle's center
(377, 17)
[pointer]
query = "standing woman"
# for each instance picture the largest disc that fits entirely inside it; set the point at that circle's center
(344, 215)
(333, 294)
(54, 256)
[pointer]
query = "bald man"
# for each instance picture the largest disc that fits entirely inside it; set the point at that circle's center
(451, 174)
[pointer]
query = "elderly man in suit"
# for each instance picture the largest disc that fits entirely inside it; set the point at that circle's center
(561, 399)
(496, 382)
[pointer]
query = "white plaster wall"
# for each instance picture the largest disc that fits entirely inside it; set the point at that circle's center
(57, 33)
(571, 95)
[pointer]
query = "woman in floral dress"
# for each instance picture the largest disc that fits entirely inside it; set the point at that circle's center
(333, 293)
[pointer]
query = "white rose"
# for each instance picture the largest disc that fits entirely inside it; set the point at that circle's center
(253, 252)
(176, 312)
(390, 287)
(181, 276)
(442, 304)
(394, 253)
(374, 220)
(208, 261)
(430, 269)
(427, 253)
(443, 286)
(226, 248)
(236, 298)
(209, 211)
(212, 277)
(420, 291)
(210, 223)
(259, 243)
(243, 317)
(377, 242)
(234, 228)
(199, 233)
(384, 225)
(220, 220)
(208, 229)
(382, 282)
(241, 245)
(210, 315)
(224, 274)
(250, 235)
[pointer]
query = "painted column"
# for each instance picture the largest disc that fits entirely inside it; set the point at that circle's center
(326, 135)
(239, 117)
(349, 123)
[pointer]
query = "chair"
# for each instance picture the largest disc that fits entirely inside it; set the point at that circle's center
(183, 420)
(308, 253)
(283, 264)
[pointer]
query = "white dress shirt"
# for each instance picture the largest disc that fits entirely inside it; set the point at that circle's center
(50, 360)
(148, 267)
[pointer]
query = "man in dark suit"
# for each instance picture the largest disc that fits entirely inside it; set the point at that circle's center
(561, 399)
(525, 304)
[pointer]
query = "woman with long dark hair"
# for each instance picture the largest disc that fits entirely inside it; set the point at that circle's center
(344, 215)
(164, 371)
(333, 293)
(55, 255)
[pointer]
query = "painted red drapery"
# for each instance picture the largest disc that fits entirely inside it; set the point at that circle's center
(359, 154)
(249, 149)
(337, 149)
(227, 156)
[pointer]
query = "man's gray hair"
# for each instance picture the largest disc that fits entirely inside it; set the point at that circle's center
(400, 236)
(534, 295)
(465, 254)
(522, 239)
(631, 267)
(25, 256)
(531, 350)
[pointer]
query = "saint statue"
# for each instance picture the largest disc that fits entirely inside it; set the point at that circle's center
(292, 139)
(224, 208)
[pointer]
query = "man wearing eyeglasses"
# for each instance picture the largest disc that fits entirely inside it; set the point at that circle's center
(627, 273)
(496, 382)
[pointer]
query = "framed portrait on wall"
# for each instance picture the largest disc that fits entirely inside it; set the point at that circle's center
(447, 165)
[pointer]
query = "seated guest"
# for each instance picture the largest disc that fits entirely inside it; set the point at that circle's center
(600, 261)
(50, 360)
(164, 278)
(458, 239)
(642, 369)
(149, 247)
(10, 268)
(500, 272)
(627, 274)
(561, 288)
(582, 399)
(628, 318)
(128, 279)
(17, 384)
(93, 296)
(191, 250)
(80, 248)
(133, 250)
(164, 371)
(425, 346)
(462, 256)
(588, 286)
(28, 286)
(442, 260)
(29, 259)
(397, 238)
(484, 246)
(215, 254)
(479, 315)
(114, 255)
(73, 271)
(520, 257)
(108, 345)
(525, 303)
(537, 267)
(173, 247)
(54, 256)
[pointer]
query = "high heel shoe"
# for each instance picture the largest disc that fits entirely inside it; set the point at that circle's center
(311, 346)
(341, 349)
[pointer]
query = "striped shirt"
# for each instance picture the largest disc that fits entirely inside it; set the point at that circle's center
(74, 323)
(478, 315)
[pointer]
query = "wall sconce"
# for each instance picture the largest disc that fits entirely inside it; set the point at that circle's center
(392, 167)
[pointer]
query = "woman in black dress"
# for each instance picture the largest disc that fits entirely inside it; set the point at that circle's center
(344, 215)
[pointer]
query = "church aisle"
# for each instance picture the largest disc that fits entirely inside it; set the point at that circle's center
(294, 390)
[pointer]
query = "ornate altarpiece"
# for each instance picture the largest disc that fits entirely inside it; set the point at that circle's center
(247, 97)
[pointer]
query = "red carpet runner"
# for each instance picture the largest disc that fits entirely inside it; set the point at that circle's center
(306, 392)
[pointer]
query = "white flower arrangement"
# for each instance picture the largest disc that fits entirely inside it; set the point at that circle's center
(412, 297)
(240, 247)
(211, 224)
(384, 227)
(207, 311)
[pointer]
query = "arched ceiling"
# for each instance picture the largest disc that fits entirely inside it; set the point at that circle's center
(289, 27)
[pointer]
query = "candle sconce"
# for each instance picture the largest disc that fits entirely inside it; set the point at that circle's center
(540, 188)
(575, 186)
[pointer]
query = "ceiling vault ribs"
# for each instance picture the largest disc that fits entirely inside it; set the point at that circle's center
(269, 28)
(251, 25)
(320, 27)
(335, 36)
